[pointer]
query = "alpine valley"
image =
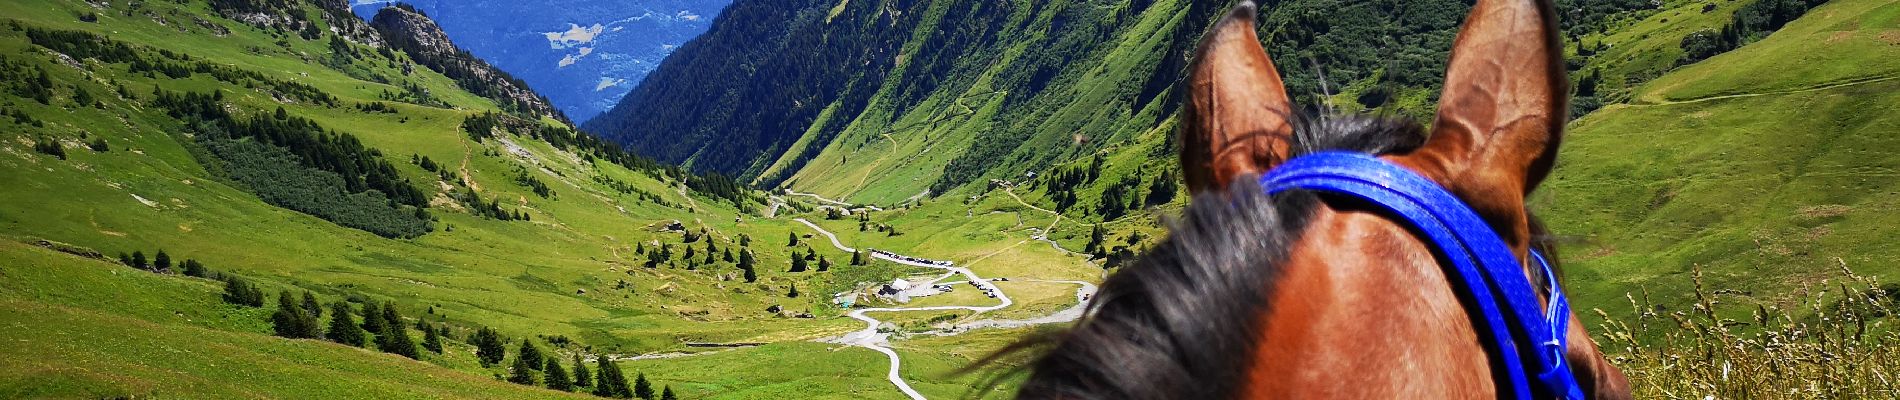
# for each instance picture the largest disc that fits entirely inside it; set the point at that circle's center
(847, 198)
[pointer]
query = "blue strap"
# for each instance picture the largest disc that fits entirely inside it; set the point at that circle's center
(1482, 263)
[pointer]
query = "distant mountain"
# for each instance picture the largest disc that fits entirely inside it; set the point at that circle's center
(583, 55)
(415, 34)
(880, 100)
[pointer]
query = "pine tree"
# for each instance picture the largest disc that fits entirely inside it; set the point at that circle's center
(489, 348)
(432, 338)
(611, 383)
(373, 318)
(195, 269)
(582, 377)
(238, 291)
(395, 339)
(792, 243)
(162, 262)
(857, 257)
(343, 328)
(531, 353)
(557, 377)
(793, 293)
(291, 320)
(823, 264)
(798, 264)
(745, 264)
(642, 388)
(522, 372)
(667, 394)
(311, 306)
(138, 260)
(727, 255)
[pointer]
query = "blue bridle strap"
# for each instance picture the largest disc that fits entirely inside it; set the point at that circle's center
(1486, 267)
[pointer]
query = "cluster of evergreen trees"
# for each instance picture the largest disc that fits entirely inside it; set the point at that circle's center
(527, 180)
(481, 127)
(1752, 22)
(1099, 247)
(628, 189)
(294, 163)
(49, 146)
(663, 254)
(26, 81)
(151, 63)
(534, 366)
(300, 317)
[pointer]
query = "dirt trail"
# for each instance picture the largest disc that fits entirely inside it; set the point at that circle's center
(871, 338)
(1652, 101)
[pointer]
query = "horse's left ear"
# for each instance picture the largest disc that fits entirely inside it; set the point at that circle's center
(1501, 116)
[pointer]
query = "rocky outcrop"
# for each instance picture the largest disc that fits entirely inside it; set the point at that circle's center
(289, 16)
(406, 29)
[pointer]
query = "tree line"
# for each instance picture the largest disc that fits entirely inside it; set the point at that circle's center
(293, 162)
(1750, 23)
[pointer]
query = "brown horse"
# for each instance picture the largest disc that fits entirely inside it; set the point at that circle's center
(1314, 296)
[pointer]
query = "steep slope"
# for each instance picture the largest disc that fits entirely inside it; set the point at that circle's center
(417, 35)
(839, 77)
(137, 128)
(878, 101)
(583, 55)
(1769, 167)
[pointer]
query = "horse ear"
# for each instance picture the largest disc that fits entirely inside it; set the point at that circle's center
(1236, 120)
(1501, 116)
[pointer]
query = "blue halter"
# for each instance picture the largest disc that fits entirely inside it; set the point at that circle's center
(1489, 271)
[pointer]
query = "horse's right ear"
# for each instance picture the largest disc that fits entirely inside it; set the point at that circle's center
(1237, 117)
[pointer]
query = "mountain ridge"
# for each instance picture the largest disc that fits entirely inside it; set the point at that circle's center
(414, 33)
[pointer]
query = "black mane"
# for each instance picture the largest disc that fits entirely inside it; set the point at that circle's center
(1180, 323)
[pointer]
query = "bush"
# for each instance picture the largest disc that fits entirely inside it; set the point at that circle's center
(49, 146)
(162, 262)
(238, 291)
(195, 269)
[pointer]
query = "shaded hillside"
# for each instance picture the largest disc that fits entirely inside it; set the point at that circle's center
(198, 147)
(880, 100)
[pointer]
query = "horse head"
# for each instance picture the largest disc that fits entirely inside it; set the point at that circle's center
(1320, 296)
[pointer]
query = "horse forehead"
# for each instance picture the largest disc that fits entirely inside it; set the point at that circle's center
(1354, 269)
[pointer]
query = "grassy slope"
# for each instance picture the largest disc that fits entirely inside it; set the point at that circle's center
(520, 277)
(1763, 166)
(79, 328)
(865, 165)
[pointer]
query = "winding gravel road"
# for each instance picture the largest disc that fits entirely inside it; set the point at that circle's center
(870, 338)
